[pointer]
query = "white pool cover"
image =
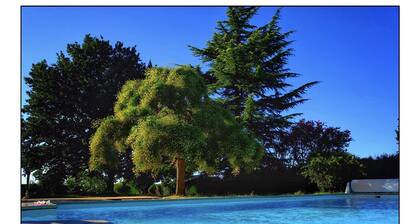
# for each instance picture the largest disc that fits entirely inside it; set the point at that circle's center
(373, 186)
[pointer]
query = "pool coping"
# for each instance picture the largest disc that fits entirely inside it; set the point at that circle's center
(81, 199)
(160, 199)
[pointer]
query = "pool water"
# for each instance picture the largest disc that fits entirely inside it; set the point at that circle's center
(325, 209)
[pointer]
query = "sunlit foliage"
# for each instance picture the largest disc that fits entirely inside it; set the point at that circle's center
(332, 172)
(169, 115)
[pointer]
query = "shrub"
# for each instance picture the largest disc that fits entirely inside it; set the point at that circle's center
(92, 185)
(50, 182)
(166, 191)
(261, 182)
(382, 167)
(72, 184)
(331, 172)
(299, 193)
(192, 191)
(126, 188)
(154, 189)
(159, 189)
(86, 183)
(121, 188)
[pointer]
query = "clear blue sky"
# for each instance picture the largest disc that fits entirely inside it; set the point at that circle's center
(353, 51)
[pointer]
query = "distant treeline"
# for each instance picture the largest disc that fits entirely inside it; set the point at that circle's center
(289, 181)
(267, 182)
(382, 167)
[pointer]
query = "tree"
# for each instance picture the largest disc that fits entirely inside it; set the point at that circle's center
(331, 172)
(32, 157)
(308, 137)
(385, 166)
(168, 118)
(397, 135)
(67, 97)
(248, 72)
(150, 65)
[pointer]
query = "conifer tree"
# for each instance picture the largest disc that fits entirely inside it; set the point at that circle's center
(248, 72)
(150, 65)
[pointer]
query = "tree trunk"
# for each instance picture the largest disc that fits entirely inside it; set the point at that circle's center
(28, 175)
(180, 177)
(110, 183)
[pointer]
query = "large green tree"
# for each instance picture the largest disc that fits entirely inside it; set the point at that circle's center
(168, 118)
(305, 138)
(68, 96)
(248, 72)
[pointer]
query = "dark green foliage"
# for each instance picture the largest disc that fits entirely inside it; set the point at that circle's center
(382, 167)
(192, 191)
(51, 181)
(144, 180)
(261, 182)
(331, 172)
(93, 185)
(38, 191)
(122, 188)
(150, 65)
(305, 138)
(170, 184)
(126, 188)
(248, 73)
(159, 189)
(31, 152)
(67, 97)
(72, 185)
(86, 183)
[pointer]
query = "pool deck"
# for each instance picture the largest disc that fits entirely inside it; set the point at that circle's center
(116, 198)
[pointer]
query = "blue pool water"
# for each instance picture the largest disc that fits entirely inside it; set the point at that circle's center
(325, 209)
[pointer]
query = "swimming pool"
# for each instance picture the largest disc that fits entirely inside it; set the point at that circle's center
(325, 209)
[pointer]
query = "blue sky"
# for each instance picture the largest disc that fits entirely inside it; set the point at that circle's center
(352, 51)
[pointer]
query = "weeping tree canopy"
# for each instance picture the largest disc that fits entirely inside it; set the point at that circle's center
(169, 116)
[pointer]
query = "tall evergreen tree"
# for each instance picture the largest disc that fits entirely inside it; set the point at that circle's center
(67, 97)
(150, 65)
(248, 72)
